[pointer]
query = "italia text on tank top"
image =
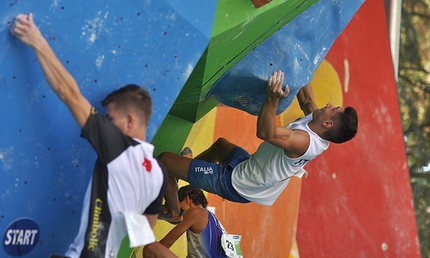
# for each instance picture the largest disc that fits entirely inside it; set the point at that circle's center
(264, 176)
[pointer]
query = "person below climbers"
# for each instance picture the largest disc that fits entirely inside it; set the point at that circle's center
(203, 229)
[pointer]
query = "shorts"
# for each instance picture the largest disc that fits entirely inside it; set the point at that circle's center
(216, 178)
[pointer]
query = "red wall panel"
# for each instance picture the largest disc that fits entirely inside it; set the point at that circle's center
(357, 201)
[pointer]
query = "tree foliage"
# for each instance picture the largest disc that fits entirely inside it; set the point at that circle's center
(414, 97)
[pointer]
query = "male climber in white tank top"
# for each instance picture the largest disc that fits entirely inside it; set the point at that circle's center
(229, 171)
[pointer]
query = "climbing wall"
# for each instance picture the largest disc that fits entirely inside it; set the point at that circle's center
(45, 166)
(357, 200)
(297, 49)
(163, 45)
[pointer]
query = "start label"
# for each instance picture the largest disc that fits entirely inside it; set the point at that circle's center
(21, 237)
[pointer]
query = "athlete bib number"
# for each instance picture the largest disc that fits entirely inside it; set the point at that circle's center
(231, 245)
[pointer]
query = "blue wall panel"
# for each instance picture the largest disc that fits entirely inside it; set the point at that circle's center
(44, 165)
(297, 49)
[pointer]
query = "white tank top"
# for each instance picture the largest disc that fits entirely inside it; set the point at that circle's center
(263, 177)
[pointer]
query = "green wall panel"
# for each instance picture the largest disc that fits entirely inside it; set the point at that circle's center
(238, 28)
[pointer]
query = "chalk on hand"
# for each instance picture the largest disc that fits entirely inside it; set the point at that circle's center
(22, 17)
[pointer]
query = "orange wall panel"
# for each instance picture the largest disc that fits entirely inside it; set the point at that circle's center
(266, 231)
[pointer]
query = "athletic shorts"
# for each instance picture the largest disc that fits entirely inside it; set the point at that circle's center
(216, 178)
